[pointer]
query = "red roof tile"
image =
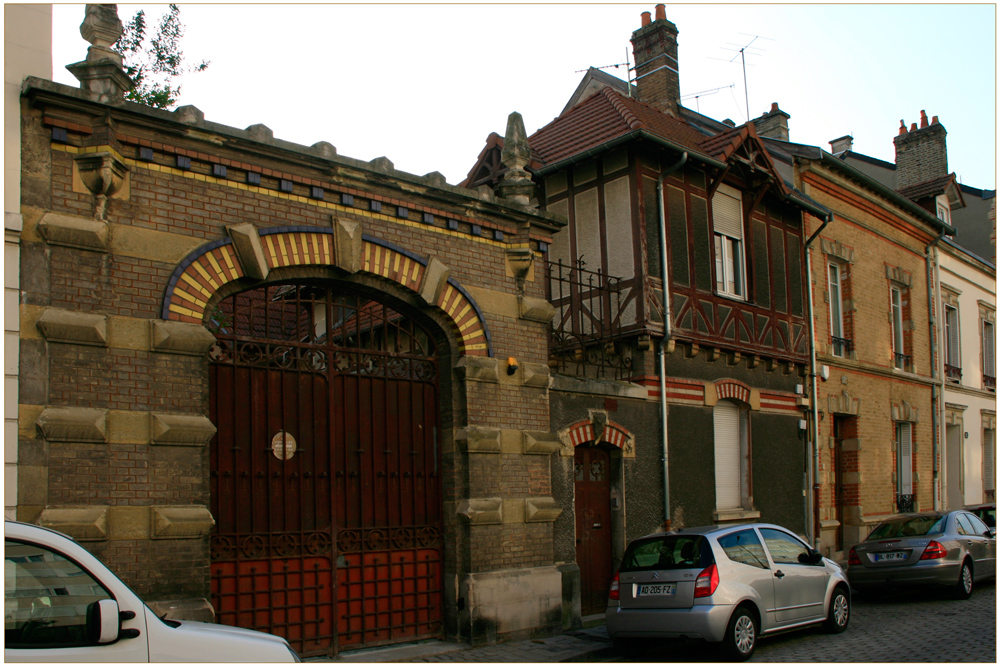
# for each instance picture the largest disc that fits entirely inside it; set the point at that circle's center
(931, 188)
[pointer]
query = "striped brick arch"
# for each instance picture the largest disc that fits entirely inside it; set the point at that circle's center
(614, 434)
(202, 273)
(732, 389)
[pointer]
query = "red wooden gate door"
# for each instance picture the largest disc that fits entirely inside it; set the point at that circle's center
(324, 471)
(593, 527)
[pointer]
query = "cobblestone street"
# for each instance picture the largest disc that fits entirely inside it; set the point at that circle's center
(903, 626)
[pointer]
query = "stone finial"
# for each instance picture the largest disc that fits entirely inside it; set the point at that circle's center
(516, 183)
(102, 71)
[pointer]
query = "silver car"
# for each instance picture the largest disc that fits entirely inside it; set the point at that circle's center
(952, 549)
(729, 584)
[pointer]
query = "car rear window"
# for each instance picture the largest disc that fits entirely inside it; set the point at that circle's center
(670, 552)
(908, 527)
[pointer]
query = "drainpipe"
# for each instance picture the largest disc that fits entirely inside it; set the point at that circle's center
(667, 334)
(812, 473)
(936, 378)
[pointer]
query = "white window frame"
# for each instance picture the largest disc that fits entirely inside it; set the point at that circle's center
(904, 458)
(732, 456)
(727, 228)
(989, 461)
(835, 278)
(896, 305)
(952, 338)
(989, 349)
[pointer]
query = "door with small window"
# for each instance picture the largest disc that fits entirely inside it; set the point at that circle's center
(593, 526)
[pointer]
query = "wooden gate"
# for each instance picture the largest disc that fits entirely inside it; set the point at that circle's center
(593, 527)
(325, 477)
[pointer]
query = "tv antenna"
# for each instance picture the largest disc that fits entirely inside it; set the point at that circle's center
(741, 53)
(698, 95)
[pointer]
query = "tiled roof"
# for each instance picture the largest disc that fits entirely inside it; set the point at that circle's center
(931, 188)
(601, 118)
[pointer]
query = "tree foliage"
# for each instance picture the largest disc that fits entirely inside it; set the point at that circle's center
(154, 67)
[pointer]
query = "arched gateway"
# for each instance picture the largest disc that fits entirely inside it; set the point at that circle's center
(326, 467)
(325, 473)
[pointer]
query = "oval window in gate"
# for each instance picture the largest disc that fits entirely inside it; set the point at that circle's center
(332, 537)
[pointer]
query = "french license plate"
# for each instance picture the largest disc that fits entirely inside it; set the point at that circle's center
(656, 589)
(890, 555)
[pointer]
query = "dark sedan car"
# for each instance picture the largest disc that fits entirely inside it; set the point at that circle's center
(952, 549)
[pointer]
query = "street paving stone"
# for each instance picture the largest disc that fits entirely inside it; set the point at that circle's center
(901, 626)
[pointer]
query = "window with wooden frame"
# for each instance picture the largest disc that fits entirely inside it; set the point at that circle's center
(904, 467)
(727, 226)
(989, 464)
(988, 354)
(841, 345)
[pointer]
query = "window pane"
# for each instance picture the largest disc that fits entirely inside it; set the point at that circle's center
(904, 457)
(783, 548)
(744, 547)
(670, 552)
(836, 316)
(46, 598)
(897, 322)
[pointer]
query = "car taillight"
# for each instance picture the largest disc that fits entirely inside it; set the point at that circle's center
(852, 558)
(707, 582)
(934, 550)
(613, 593)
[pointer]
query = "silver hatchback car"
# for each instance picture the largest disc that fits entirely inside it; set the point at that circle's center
(729, 584)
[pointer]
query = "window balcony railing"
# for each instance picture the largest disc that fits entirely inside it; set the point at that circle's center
(989, 383)
(953, 373)
(902, 361)
(842, 346)
(904, 502)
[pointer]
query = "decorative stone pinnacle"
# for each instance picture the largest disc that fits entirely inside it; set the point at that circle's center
(516, 154)
(101, 26)
(101, 73)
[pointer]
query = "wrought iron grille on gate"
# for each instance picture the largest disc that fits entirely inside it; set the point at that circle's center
(325, 477)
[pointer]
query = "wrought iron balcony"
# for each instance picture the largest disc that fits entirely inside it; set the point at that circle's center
(989, 383)
(905, 502)
(586, 335)
(902, 361)
(953, 373)
(842, 346)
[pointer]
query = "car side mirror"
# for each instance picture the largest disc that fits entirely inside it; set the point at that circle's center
(103, 621)
(992, 532)
(811, 558)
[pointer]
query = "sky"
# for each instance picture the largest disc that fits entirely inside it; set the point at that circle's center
(424, 85)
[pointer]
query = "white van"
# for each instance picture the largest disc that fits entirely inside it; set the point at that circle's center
(62, 605)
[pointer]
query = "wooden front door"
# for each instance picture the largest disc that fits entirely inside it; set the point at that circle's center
(325, 480)
(593, 527)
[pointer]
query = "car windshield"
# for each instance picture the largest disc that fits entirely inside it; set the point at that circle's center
(669, 552)
(908, 527)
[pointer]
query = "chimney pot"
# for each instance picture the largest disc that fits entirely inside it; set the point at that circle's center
(774, 107)
(661, 12)
(934, 120)
(645, 19)
(902, 126)
(913, 127)
(923, 118)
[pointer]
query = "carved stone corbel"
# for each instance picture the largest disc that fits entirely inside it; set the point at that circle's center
(103, 175)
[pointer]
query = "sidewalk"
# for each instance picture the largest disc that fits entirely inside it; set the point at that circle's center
(582, 645)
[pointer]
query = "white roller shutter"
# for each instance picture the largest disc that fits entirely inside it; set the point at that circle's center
(989, 465)
(727, 212)
(727, 455)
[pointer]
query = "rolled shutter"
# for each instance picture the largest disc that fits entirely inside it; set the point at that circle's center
(727, 212)
(727, 456)
(905, 450)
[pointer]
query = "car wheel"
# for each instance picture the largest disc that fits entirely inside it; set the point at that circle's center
(963, 589)
(840, 611)
(633, 648)
(741, 635)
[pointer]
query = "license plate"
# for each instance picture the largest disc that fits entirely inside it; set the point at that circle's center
(656, 589)
(890, 555)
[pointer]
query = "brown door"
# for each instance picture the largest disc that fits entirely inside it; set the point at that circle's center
(593, 527)
(325, 470)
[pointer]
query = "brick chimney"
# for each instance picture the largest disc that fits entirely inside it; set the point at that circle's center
(773, 124)
(921, 153)
(654, 47)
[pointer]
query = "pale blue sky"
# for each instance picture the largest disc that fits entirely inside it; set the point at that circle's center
(425, 84)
